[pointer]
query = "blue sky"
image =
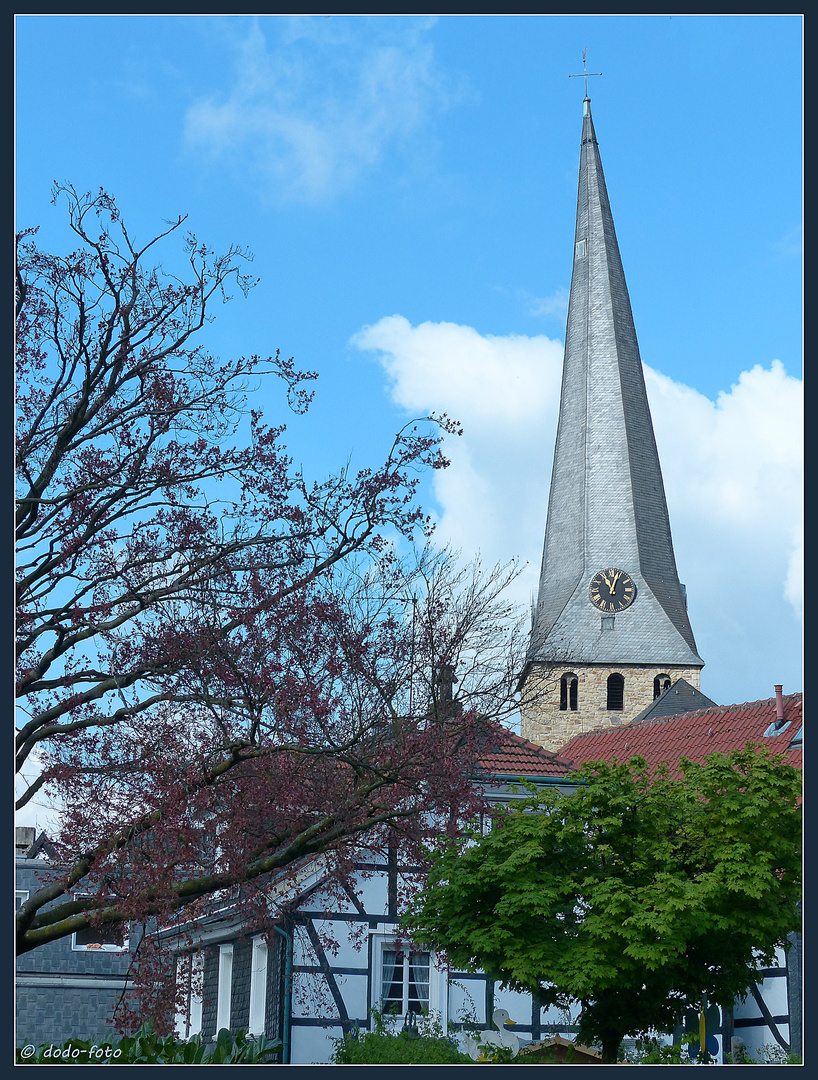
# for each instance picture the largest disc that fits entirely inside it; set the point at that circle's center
(408, 188)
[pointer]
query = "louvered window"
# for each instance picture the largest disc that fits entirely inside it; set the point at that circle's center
(616, 693)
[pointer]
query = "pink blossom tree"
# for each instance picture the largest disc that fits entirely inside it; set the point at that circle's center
(223, 669)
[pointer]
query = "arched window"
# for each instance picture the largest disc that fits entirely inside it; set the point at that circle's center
(568, 692)
(616, 692)
(660, 684)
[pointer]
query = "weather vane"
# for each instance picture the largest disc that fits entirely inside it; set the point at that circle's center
(584, 73)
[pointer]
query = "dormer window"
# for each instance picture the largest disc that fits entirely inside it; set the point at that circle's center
(581, 249)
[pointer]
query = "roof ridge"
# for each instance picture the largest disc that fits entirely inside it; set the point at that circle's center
(527, 742)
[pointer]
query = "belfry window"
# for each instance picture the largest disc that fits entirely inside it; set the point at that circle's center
(660, 684)
(581, 248)
(568, 692)
(616, 693)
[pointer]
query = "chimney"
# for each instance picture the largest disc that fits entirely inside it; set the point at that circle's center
(23, 839)
(448, 708)
(779, 705)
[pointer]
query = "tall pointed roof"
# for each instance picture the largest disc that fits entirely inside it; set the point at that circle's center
(607, 504)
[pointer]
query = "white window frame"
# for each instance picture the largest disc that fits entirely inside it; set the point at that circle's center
(190, 970)
(438, 976)
(20, 897)
(100, 946)
(258, 987)
(225, 988)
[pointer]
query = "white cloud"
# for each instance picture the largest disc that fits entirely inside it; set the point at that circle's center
(496, 381)
(732, 470)
(554, 305)
(505, 392)
(309, 115)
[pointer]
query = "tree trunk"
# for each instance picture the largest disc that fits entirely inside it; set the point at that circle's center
(611, 1041)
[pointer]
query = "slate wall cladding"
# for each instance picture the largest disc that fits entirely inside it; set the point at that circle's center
(60, 957)
(48, 1007)
(55, 1014)
(240, 996)
(276, 963)
(210, 990)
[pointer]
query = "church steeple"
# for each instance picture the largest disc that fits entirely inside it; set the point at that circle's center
(609, 602)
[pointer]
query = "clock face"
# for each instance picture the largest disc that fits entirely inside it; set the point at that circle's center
(612, 590)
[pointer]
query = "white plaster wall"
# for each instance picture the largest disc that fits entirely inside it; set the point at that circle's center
(313, 1045)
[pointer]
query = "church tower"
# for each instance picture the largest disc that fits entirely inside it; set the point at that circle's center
(610, 631)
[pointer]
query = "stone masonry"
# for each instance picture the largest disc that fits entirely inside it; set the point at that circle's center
(544, 722)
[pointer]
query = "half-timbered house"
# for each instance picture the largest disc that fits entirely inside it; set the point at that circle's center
(336, 955)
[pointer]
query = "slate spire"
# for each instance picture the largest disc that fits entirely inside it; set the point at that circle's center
(607, 504)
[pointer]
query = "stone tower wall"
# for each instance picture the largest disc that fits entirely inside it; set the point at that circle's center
(545, 723)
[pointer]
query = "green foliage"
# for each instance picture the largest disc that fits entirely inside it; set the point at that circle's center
(400, 1049)
(428, 1045)
(771, 1054)
(145, 1047)
(633, 896)
(496, 1055)
(651, 1051)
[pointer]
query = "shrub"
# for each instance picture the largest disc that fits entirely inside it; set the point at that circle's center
(145, 1047)
(400, 1049)
(413, 1045)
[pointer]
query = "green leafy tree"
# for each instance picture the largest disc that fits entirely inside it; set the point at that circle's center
(633, 896)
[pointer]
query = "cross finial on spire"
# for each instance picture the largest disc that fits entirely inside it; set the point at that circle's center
(585, 73)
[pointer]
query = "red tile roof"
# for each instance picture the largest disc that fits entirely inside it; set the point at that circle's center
(510, 755)
(693, 735)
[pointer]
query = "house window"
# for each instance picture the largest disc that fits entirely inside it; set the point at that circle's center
(616, 693)
(258, 986)
(225, 987)
(189, 985)
(105, 938)
(20, 897)
(660, 684)
(568, 692)
(404, 981)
